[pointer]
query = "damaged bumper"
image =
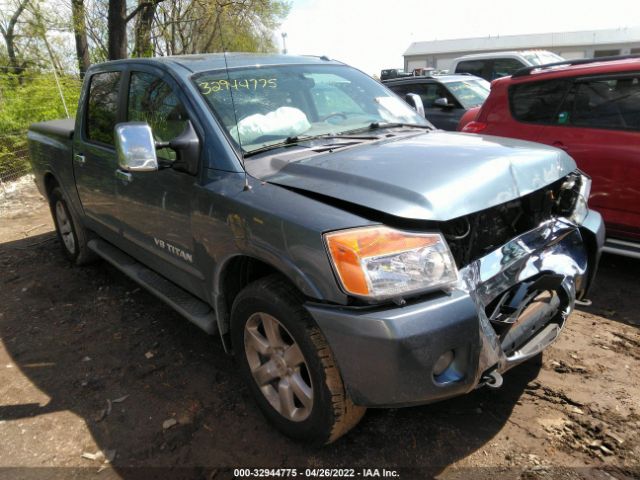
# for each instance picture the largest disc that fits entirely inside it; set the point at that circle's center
(508, 306)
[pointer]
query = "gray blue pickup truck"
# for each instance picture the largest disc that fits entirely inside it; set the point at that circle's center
(348, 254)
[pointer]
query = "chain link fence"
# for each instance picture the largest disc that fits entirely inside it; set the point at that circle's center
(29, 95)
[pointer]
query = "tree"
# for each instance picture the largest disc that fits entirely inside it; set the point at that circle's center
(145, 12)
(201, 26)
(97, 30)
(8, 31)
(34, 30)
(117, 25)
(80, 34)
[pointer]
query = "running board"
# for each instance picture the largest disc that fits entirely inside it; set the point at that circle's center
(192, 308)
(621, 247)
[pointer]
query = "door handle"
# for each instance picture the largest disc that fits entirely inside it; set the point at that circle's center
(80, 159)
(560, 145)
(126, 177)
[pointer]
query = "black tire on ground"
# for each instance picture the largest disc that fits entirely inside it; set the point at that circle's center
(332, 413)
(72, 235)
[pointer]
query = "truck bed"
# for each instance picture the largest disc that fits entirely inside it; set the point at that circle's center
(50, 151)
(59, 128)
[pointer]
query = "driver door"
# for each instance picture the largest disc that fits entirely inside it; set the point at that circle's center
(156, 207)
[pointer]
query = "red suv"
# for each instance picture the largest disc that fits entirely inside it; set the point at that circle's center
(591, 109)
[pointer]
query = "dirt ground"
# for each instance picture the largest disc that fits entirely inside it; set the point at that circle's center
(92, 368)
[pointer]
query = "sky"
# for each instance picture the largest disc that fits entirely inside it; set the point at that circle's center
(372, 35)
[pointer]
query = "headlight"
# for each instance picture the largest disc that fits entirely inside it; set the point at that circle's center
(581, 208)
(380, 262)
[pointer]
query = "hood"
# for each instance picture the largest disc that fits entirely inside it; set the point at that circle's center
(430, 176)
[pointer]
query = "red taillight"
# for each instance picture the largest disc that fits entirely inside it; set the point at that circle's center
(474, 127)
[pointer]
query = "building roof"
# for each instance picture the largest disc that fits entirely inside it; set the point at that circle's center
(521, 42)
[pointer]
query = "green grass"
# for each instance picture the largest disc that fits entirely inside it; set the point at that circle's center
(25, 99)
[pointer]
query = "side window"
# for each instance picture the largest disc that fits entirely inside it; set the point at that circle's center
(102, 107)
(402, 90)
(442, 92)
(152, 100)
(602, 103)
(474, 67)
(429, 93)
(505, 66)
(537, 102)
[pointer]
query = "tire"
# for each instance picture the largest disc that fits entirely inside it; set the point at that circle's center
(302, 391)
(73, 237)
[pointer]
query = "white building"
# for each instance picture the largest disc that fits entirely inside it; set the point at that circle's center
(570, 45)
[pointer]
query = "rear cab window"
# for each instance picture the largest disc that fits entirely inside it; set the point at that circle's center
(102, 107)
(505, 66)
(474, 67)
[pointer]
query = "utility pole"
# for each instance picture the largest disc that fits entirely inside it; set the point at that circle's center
(284, 43)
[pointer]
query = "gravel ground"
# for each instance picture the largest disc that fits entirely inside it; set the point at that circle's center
(98, 375)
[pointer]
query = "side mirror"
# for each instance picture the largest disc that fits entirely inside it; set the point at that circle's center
(135, 147)
(442, 103)
(415, 101)
(187, 147)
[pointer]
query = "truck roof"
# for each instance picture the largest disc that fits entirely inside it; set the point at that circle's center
(498, 54)
(442, 78)
(216, 61)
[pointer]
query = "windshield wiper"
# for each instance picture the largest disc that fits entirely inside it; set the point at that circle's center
(381, 125)
(377, 125)
(298, 139)
(293, 140)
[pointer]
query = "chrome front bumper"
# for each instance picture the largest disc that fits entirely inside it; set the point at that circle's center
(555, 248)
(387, 356)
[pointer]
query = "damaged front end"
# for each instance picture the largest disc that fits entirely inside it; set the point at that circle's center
(522, 266)
(525, 289)
(524, 293)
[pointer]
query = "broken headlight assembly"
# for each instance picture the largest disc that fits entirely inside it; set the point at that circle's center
(574, 197)
(381, 262)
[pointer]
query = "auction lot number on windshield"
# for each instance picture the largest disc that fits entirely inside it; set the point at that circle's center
(213, 86)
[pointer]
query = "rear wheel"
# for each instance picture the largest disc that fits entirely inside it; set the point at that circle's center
(72, 235)
(288, 365)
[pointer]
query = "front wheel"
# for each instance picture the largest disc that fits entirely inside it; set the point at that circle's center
(288, 365)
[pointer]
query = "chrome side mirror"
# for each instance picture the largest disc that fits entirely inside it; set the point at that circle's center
(415, 101)
(442, 103)
(135, 147)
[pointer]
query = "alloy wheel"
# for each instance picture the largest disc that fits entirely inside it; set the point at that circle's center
(278, 367)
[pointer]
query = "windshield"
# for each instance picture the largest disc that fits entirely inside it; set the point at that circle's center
(470, 93)
(273, 104)
(542, 57)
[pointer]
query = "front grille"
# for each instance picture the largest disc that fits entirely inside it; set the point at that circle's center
(474, 236)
